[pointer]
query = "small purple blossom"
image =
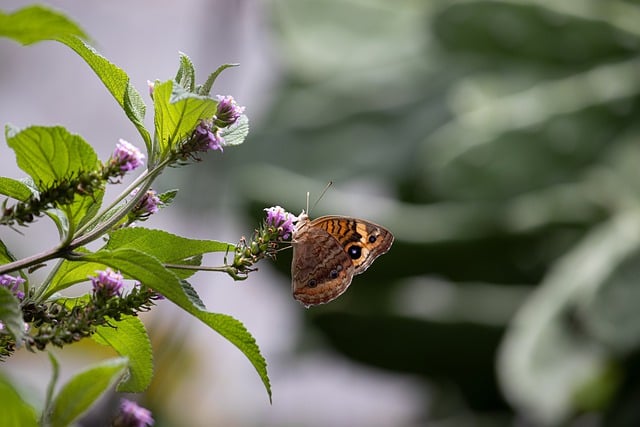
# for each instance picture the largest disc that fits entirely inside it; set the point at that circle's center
(132, 415)
(107, 282)
(282, 220)
(148, 205)
(228, 111)
(207, 138)
(13, 284)
(126, 156)
(151, 86)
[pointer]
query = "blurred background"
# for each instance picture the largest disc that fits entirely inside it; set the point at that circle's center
(498, 140)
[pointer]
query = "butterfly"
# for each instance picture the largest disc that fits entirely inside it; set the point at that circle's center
(329, 251)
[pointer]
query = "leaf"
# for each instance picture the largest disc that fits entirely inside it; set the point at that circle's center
(5, 255)
(167, 197)
(50, 155)
(51, 387)
(149, 271)
(15, 189)
(129, 338)
(11, 315)
(177, 113)
(15, 411)
(83, 389)
(36, 23)
(205, 89)
(237, 132)
(548, 345)
(186, 76)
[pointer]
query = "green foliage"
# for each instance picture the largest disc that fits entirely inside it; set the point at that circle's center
(83, 389)
(16, 412)
(129, 338)
(66, 181)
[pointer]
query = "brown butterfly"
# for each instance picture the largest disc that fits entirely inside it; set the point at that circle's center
(329, 251)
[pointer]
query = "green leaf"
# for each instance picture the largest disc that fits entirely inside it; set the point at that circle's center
(83, 389)
(15, 411)
(5, 255)
(129, 338)
(11, 315)
(149, 271)
(167, 197)
(51, 387)
(15, 189)
(50, 155)
(546, 347)
(117, 82)
(36, 23)
(205, 89)
(177, 113)
(186, 76)
(237, 132)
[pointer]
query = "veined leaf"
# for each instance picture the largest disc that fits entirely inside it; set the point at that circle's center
(15, 189)
(237, 132)
(177, 113)
(186, 76)
(129, 338)
(205, 89)
(36, 23)
(149, 271)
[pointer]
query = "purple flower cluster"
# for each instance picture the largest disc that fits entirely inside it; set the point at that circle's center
(132, 415)
(107, 282)
(126, 156)
(13, 284)
(282, 220)
(207, 138)
(228, 111)
(148, 205)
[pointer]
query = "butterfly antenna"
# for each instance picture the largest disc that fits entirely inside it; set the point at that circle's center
(329, 184)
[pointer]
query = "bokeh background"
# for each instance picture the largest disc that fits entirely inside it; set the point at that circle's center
(498, 140)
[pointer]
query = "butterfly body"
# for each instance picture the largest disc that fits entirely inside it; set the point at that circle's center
(329, 251)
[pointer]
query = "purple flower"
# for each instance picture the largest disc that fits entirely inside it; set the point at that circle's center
(132, 415)
(148, 205)
(13, 284)
(107, 282)
(206, 138)
(282, 220)
(228, 111)
(126, 156)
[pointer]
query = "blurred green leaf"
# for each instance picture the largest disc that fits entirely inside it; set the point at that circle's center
(36, 23)
(83, 389)
(11, 314)
(15, 411)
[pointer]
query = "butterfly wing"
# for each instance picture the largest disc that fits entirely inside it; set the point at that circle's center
(321, 270)
(361, 240)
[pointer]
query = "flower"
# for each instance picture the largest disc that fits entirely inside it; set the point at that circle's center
(126, 156)
(148, 205)
(207, 139)
(228, 111)
(151, 86)
(132, 415)
(12, 283)
(281, 220)
(107, 282)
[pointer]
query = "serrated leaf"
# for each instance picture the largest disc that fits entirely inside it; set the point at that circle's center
(15, 411)
(167, 197)
(149, 271)
(192, 294)
(11, 315)
(205, 89)
(237, 132)
(83, 389)
(48, 154)
(129, 338)
(51, 154)
(177, 113)
(186, 75)
(15, 189)
(36, 23)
